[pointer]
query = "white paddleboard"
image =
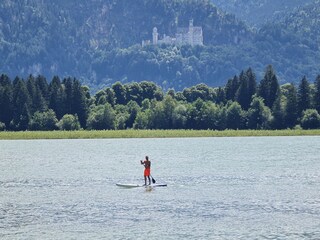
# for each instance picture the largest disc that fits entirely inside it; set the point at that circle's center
(130, 185)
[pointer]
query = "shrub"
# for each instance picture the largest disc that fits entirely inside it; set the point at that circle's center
(69, 122)
(2, 126)
(44, 121)
(310, 119)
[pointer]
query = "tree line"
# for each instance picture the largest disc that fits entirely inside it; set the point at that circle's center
(243, 103)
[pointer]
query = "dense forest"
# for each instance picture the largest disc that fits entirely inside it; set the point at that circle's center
(100, 41)
(243, 103)
(66, 37)
(257, 12)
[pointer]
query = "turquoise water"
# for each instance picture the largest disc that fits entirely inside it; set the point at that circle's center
(218, 188)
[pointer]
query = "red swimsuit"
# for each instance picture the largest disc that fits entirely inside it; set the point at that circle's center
(147, 168)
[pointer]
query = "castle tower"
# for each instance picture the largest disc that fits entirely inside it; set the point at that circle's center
(190, 33)
(191, 23)
(155, 36)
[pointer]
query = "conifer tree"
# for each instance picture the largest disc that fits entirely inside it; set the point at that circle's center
(6, 107)
(21, 105)
(68, 92)
(304, 101)
(42, 84)
(31, 86)
(247, 88)
(317, 94)
(39, 102)
(278, 114)
(291, 107)
(242, 94)
(269, 87)
(56, 97)
(220, 95)
(79, 103)
(252, 84)
(231, 88)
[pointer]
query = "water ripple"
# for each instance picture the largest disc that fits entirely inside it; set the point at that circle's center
(218, 188)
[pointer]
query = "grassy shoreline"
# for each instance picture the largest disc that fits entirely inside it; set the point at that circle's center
(151, 134)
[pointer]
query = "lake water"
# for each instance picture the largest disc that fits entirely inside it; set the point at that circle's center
(218, 188)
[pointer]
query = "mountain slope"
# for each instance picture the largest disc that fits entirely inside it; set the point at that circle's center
(258, 12)
(99, 41)
(304, 22)
(61, 37)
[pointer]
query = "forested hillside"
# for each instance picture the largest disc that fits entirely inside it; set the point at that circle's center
(258, 12)
(99, 42)
(304, 22)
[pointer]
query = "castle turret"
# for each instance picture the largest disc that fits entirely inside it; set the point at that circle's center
(155, 36)
(191, 23)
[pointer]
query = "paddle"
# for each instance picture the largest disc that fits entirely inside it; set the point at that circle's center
(153, 181)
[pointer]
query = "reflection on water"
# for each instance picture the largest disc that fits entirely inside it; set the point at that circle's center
(218, 188)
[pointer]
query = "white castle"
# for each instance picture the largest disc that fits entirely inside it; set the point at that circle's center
(191, 35)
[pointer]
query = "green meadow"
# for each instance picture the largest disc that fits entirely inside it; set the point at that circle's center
(151, 134)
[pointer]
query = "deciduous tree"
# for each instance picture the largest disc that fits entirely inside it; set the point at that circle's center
(259, 115)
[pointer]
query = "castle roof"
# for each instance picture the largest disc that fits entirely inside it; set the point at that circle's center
(196, 30)
(181, 30)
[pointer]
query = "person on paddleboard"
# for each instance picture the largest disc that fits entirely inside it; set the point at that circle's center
(147, 167)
